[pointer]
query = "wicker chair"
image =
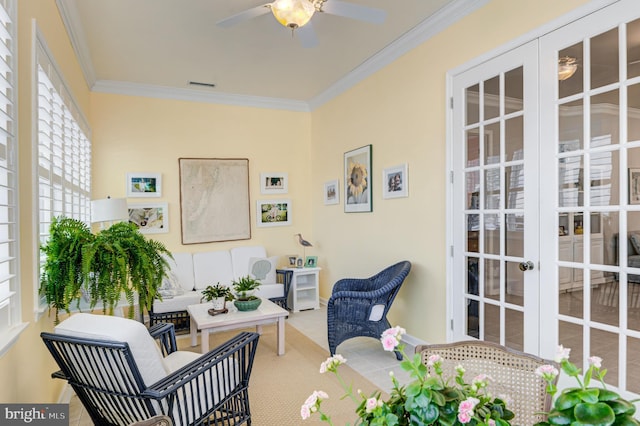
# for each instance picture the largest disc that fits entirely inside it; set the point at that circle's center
(359, 306)
(122, 376)
(513, 374)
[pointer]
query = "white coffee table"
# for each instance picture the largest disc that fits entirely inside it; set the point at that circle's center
(267, 313)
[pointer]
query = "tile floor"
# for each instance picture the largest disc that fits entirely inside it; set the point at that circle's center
(365, 355)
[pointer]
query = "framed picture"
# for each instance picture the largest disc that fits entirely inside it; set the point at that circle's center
(151, 218)
(395, 182)
(144, 184)
(293, 259)
(273, 212)
(331, 192)
(214, 200)
(274, 183)
(311, 262)
(357, 182)
(634, 186)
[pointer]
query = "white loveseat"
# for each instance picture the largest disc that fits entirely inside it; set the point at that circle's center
(190, 273)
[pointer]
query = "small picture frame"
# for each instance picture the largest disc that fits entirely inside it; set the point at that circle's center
(273, 213)
(299, 262)
(331, 192)
(274, 183)
(292, 260)
(311, 262)
(144, 185)
(395, 182)
(151, 218)
(634, 186)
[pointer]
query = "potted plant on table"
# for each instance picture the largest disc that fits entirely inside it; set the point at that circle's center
(218, 294)
(244, 287)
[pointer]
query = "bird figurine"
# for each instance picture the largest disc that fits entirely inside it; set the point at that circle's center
(304, 243)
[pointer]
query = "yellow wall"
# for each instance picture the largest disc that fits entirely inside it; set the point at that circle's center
(133, 134)
(399, 110)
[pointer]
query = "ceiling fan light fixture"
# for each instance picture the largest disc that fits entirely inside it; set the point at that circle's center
(293, 13)
(566, 67)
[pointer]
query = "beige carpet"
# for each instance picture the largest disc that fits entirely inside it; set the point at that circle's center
(279, 385)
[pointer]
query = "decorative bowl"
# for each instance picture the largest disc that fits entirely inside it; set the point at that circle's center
(247, 305)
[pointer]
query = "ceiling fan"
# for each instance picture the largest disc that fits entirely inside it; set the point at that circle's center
(296, 14)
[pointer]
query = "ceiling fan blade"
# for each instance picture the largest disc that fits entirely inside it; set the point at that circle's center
(244, 16)
(354, 11)
(307, 36)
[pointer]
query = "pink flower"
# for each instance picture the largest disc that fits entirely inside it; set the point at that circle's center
(468, 405)
(433, 360)
(491, 422)
(389, 342)
(371, 404)
(332, 363)
(595, 361)
(464, 418)
(305, 412)
(547, 372)
(562, 354)
(481, 380)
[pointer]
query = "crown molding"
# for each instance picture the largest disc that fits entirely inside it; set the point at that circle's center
(162, 92)
(422, 32)
(431, 26)
(69, 14)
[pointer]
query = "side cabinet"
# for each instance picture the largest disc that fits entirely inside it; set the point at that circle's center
(303, 293)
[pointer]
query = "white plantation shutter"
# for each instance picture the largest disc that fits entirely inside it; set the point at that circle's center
(64, 150)
(10, 325)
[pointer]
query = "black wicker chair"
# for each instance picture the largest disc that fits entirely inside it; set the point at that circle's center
(359, 306)
(122, 376)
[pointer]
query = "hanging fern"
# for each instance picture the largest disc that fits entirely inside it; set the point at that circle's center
(121, 262)
(117, 262)
(62, 272)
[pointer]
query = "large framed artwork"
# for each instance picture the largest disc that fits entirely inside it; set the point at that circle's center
(357, 182)
(214, 199)
(150, 218)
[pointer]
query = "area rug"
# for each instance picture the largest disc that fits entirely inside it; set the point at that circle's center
(279, 385)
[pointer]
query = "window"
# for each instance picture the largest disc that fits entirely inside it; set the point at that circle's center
(63, 150)
(10, 317)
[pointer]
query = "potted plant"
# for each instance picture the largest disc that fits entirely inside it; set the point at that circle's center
(119, 262)
(584, 404)
(115, 263)
(218, 294)
(62, 273)
(244, 288)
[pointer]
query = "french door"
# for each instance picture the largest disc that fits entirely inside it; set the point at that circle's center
(546, 195)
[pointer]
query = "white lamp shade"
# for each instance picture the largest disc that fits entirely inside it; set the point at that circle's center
(109, 210)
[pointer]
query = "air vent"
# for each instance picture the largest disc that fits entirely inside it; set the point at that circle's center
(198, 83)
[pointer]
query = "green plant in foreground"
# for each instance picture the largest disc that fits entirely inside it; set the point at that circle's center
(584, 405)
(427, 400)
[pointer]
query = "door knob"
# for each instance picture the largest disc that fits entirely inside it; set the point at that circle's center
(526, 266)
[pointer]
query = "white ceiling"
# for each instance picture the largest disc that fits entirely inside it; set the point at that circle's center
(156, 47)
